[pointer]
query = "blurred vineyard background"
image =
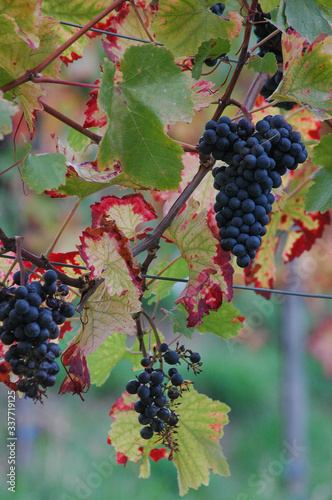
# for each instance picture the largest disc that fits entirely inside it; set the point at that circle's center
(276, 376)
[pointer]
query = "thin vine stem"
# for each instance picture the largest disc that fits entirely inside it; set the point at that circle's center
(50, 58)
(62, 228)
(150, 37)
(153, 327)
(224, 101)
(71, 123)
(152, 240)
(271, 35)
(41, 79)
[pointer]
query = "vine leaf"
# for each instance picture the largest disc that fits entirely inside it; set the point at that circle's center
(128, 213)
(44, 171)
(126, 22)
(210, 275)
(107, 253)
(107, 356)
(7, 109)
(209, 50)
(17, 56)
(125, 436)
(319, 196)
(266, 63)
(199, 430)
(225, 323)
(298, 19)
(201, 25)
(137, 112)
(307, 74)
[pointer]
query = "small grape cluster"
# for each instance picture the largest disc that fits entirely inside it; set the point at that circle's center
(158, 391)
(270, 86)
(30, 316)
(218, 9)
(257, 159)
(264, 28)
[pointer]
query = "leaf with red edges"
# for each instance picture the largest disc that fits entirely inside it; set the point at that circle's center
(210, 275)
(127, 212)
(261, 272)
(95, 116)
(105, 314)
(5, 373)
(78, 380)
(107, 253)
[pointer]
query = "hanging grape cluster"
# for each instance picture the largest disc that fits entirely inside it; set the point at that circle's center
(158, 391)
(30, 316)
(256, 158)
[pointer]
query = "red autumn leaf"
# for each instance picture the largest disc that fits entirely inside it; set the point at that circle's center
(127, 212)
(157, 454)
(5, 371)
(305, 237)
(95, 117)
(78, 379)
(210, 274)
(69, 59)
(121, 405)
(66, 327)
(121, 458)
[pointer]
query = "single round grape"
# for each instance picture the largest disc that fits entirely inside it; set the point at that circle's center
(143, 419)
(160, 400)
(146, 432)
(132, 386)
(144, 377)
(171, 357)
(151, 411)
(143, 392)
(211, 125)
(50, 276)
(139, 406)
(164, 414)
(173, 393)
(252, 243)
(145, 362)
(243, 261)
(67, 310)
(177, 379)
(157, 377)
(195, 357)
(163, 347)
(63, 290)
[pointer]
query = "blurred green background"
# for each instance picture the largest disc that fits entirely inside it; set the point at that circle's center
(62, 450)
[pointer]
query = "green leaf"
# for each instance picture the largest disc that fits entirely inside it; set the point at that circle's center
(200, 428)
(7, 109)
(17, 56)
(209, 50)
(225, 323)
(160, 289)
(322, 154)
(319, 196)
(307, 76)
(77, 141)
(182, 25)
(178, 316)
(266, 63)
(298, 14)
(44, 171)
(268, 5)
(154, 92)
(107, 356)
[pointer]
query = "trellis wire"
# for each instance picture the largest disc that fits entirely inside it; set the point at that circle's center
(185, 280)
(105, 32)
(111, 33)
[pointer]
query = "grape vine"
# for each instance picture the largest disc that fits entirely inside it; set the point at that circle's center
(79, 308)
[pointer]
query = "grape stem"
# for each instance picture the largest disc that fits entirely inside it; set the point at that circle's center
(41, 79)
(50, 58)
(62, 228)
(243, 108)
(68, 121)
(154, 329)
(271, 35)
(243, 57)
(140, 335)
(10, 245)
(152, 240)
(19, 240)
